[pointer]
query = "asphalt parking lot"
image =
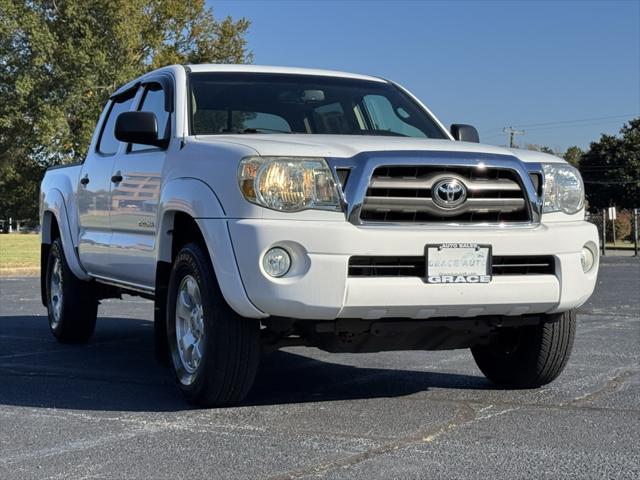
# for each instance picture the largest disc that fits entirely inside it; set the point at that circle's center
(106, 410)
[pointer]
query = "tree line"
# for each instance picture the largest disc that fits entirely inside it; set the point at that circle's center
(610, 167)
(61, 59)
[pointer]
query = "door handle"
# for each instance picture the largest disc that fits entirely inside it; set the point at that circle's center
(84, 180)
(117, 177)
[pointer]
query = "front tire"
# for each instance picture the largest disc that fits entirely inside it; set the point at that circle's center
(214, 351)
(72, 305)
(531, 356)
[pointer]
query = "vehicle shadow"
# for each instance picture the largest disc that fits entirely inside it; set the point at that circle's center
(287, 377)
(116, 371)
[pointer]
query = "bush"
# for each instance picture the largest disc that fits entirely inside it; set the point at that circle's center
(624, 225)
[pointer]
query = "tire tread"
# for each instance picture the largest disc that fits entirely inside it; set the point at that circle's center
(80, 302)
(234, 344)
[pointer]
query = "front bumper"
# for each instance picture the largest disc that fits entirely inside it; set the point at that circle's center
(318, 286)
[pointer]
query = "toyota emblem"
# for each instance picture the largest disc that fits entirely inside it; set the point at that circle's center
(449, 193)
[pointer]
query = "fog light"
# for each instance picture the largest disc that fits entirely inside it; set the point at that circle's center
(276, 262)
(587, 258)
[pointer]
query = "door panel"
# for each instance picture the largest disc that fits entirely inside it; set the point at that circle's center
(94, 196)
(134, 200)
(93, 208)
(134, 204)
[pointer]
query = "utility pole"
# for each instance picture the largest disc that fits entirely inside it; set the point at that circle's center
(512, 135)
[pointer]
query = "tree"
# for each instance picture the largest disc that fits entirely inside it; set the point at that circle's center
(540, 148)
(573, 155)
(61, 59)
(611, 169)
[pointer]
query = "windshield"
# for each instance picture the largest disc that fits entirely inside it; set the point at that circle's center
(284, 103)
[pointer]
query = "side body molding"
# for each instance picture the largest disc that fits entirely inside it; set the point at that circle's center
(196, 199)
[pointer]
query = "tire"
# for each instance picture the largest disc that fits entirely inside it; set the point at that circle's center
(72, 305)
(216, 363)
(528, 357)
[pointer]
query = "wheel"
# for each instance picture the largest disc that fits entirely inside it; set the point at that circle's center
(214, 351)
(531, 356)
(72, 304)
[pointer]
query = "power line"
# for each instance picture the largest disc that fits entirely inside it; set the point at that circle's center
(559, 122)
(565, 122)
(574, 125)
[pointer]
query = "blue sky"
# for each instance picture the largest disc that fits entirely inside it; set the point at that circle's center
(491, 64)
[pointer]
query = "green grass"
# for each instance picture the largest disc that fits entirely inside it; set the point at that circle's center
(19, 254)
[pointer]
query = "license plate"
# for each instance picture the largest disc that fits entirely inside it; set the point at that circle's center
(458, 263)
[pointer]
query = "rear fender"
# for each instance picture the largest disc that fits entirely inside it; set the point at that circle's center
(55, 206)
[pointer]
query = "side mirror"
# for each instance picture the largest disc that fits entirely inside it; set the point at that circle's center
(464, 133)
(138, 127)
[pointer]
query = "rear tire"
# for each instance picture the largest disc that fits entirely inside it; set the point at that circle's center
(214, 351)
(72, 304)
(528, 357)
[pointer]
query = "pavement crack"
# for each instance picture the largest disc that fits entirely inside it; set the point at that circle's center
(612, 385)
(464, 414)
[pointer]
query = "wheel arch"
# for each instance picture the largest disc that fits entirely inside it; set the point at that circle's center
(55, 212)
(55, 223)
(180, 198)
(189, 211)
(49, 231)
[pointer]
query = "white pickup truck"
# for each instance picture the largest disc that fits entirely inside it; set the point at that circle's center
(264, 207)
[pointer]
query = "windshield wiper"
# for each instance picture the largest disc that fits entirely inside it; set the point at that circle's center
(382, 133)
(263, 130)
(249, 131)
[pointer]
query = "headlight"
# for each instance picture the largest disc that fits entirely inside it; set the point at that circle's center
(288, 184)
(563, 189)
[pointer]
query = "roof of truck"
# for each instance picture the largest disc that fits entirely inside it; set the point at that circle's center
(217, 67)
(213, 67)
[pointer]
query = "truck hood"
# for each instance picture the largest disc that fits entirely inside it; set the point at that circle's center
(346, 146)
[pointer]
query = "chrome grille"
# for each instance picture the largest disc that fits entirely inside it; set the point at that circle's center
(404, 194)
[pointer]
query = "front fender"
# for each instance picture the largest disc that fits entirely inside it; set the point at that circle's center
(187, 195)
(196, 199)
(192, 196)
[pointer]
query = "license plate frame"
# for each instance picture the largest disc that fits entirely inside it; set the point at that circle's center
(470, 276)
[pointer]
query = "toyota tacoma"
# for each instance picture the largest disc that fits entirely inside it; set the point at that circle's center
(266, 207)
